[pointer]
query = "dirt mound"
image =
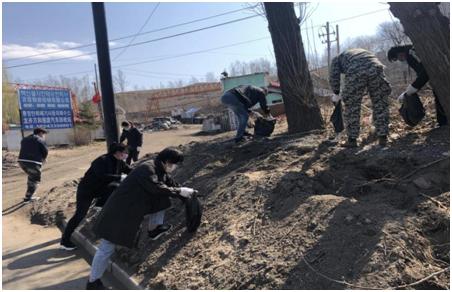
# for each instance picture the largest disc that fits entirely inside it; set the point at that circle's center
(9, 160)
(298, 212)
(57, 202)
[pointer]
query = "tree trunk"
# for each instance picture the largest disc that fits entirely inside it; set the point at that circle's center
(302, 110)
(429, 31)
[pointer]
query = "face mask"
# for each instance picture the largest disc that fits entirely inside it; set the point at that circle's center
(170, 167)
(124, 156)
(126, 129)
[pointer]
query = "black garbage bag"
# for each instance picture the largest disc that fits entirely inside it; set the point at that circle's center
(336, 118)
(264, 127)
(193, 213)
(412, 110)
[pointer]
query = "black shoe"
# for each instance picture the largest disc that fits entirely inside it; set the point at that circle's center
(96, 285)
(67, 245)
(382, 141)
(160, 231)
(239, 140)
(351, 143)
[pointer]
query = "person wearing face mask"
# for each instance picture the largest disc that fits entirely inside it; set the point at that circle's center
(408, 54)
(134, 140)
(32, 155)
(99, 182)
(145, 191)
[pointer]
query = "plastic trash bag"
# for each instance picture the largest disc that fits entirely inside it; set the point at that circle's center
(412, 110)
(264, 127)
(193, 213)
(336, 118)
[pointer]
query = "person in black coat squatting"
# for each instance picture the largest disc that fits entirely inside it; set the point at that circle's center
(134, 140)
(33, 153)
(99, 181)
(146, 190)
(408, 54)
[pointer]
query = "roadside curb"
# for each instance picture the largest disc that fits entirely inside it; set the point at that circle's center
(114, 269)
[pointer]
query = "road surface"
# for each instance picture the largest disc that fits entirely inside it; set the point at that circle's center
(31, 258)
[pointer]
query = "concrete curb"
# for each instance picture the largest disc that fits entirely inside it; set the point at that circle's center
(114, 269)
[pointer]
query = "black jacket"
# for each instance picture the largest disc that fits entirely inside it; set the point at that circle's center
(250, 95)
(33, 149)
(414, 62)
(147, 189)
(103, 170)
(134, 138)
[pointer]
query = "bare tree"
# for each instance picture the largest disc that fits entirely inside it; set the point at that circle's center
(10, 106)
(193, 80)
(302, 110)
(392, 32)
(429, 30)
(80, 86)
(210, 77)
(120, 81)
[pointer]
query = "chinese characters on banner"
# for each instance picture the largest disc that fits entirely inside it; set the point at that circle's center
(50, 109)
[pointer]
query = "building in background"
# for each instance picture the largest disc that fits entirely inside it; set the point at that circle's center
(261, 79)
(142, 106)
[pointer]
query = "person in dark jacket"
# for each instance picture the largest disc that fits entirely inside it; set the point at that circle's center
(32, 155)
(134, 140)
(240, 100)
(146, 190)
(99, 181)
(408, 54)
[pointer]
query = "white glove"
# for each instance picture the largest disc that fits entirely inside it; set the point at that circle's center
(139, 148)
(335, 98)
(253, 114)
(401, 97)
(186, 192)
(410, 90)
(123, 177)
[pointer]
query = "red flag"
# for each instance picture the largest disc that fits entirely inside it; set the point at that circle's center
(96, 97)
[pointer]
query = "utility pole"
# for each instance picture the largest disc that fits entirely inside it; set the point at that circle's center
(328, 43)
(95, 73)
(337, 39)
(328, 40)
(96, 88)
(103, 57)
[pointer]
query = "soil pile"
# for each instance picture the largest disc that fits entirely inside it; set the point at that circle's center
(298, 212)
(9, 160)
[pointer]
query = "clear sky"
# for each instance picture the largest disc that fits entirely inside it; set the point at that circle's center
(32, 28)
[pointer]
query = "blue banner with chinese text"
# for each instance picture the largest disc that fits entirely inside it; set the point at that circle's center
(50, 109)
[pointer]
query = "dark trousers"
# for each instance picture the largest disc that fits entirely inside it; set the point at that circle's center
(33, 171)
(133, 156)
(441, 117)
(84, 200)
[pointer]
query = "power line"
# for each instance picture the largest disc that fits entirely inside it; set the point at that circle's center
(359, 15)
(139, 43)
(193, 53)
(130, 36)
(176, 56)
(347, 18)
(139, 31)
(146, 75)
(165, 73)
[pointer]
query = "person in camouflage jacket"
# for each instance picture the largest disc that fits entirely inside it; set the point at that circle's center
(363, 73)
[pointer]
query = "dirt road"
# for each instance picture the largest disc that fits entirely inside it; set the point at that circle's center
(67, 164)
(31, 258)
